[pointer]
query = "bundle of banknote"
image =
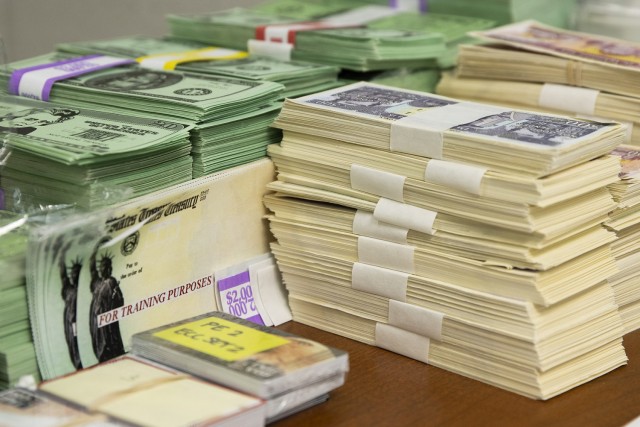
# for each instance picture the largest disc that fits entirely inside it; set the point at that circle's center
(553, 12)
(362, 39)
(187, 98)
(70, 156)
(625, 221)
(584, 75)
(418, 236)
(500, 139)
(540, 355)
(17, 353)
(530, 51)
(299, 78)
(548, 97)
(94, 279)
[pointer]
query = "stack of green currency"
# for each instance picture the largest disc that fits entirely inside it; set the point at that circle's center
(401, 39)
(299, 78)
(17, 353)
(86, 158)
(187, 98)
(553, 12)
(232, 28)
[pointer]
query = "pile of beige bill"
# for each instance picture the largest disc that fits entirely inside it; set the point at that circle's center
(584, 75)
(460, 234)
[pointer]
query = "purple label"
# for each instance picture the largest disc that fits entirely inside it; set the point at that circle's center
(40, 85)
(233, 281)
(237, 298)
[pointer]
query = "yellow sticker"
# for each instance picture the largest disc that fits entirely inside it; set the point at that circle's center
(169, 61)
(221, 338)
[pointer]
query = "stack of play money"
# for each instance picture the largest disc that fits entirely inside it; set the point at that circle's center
(210, 103)
(362, 39)
(298, 78)
(625, 221)
(467, 236)
(547, 69)
(17, 354)
(86, 158)
(550, 69)
(553, 12)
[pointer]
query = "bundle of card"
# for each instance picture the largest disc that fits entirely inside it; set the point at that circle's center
(285, 369)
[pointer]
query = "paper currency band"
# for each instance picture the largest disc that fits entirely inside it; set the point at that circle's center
(380, 183)
(419, 320)
(146, 385)
(379, 281)
(286, 33)
(280, 51)
(271, 299)
(365, 224)
(406, 216)
(574, 73)
(170, 61)
(386, 254)
(422, 133)
(568, 98)
(420, 5)
(277, 41)
(455, 175)
(242, 283)
(36, 82)
(402, 342)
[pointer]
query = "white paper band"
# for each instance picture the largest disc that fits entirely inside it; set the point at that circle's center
(380, 183)
(402, 342)
(365, 224)
(386, 254)
(422, 133)
(379, 281)
(455, 175)
(406, 216)
(568, 98)
(416, 319)
(280, 51)
(271, 295)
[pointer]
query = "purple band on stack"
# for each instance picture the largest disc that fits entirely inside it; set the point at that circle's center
(422, 5)
(66, 70)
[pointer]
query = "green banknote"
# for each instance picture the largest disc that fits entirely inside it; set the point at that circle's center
(558, 13)
(155, 93)
(63, 155)
(359, 39)
(298, 77)
(165, 96)
(17, 354)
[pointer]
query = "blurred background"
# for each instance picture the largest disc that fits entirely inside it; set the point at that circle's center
(33, 27)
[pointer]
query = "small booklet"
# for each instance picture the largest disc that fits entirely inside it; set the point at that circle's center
(240, 354)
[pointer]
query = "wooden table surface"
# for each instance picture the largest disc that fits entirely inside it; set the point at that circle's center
(386, 389)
